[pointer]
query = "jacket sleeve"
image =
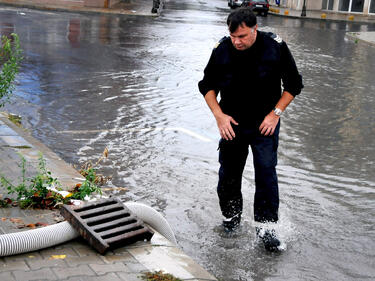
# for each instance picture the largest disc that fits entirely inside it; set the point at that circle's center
(292, 80)
(209, 81)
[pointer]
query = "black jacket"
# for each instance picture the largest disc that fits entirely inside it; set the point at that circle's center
(249, 82)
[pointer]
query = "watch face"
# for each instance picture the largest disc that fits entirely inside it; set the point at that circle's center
(277, 111)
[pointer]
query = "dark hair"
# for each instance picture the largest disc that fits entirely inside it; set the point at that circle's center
(239, 16)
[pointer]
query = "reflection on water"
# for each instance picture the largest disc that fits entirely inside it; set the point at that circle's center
(7, 29)
(130, 84)
(74, 32)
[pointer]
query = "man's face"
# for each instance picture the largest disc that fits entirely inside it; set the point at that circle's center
(244, 37)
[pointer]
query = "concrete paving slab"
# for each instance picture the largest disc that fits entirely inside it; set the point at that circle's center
(66, 272)
(171, 260)
(15, 141)
(6, 276)
(129, 276)
(6, 131)
(41, 274)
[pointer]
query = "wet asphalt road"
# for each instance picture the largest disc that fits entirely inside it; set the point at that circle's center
(130, 84)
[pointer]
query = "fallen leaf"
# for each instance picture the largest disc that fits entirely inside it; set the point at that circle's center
(116, 188)
(16, 220)
(57, 257)
(47, 202)
(49, 195)
(68, 195)
(31, 225)
(105, 152)
(41, 224)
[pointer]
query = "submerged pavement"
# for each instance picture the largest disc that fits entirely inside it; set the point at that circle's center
(74, 260)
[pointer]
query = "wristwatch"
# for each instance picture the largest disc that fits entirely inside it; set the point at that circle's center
(277, 111)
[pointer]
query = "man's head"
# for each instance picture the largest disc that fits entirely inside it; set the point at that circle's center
(242, 24)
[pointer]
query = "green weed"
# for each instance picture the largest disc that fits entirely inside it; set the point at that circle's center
(35, 192)
(15, 119)
(93, 179)
(41, 191)
(10, 58)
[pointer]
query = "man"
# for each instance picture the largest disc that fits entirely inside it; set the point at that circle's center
(247, 69)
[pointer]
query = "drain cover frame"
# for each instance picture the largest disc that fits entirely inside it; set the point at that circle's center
(106, 224)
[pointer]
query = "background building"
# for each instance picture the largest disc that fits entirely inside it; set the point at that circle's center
(345, 6)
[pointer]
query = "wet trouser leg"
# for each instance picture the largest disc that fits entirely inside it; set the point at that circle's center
(232, 158)
(266, 199)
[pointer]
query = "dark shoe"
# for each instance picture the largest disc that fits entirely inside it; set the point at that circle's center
(231, 224)
(269, 239)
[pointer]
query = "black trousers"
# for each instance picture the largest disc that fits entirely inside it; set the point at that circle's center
(232, 158)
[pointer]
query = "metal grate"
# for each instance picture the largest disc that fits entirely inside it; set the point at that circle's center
(106, 224)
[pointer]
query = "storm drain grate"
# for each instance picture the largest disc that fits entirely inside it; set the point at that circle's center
(106, 224)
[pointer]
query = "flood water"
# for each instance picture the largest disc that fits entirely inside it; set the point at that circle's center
(130, 84)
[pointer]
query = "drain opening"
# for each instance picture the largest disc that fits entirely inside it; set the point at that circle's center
(108, 219)
(102, 212)
(90, 207)
(114, 234)
(101, 229)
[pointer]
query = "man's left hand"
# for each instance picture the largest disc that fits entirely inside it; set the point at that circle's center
(267, 128)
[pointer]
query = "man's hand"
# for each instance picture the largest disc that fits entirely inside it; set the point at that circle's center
(224, 123)
(269, 124)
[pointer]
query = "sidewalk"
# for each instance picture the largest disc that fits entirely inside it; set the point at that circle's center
(75, 260)
(322, 15)
(364, 37)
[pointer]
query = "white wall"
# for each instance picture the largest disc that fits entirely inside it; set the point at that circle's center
(314, 4)
(317, 4)
(366, 6)
(310, 4)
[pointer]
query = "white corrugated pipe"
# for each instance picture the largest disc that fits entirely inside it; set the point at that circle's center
(153, 218)
(32, 240)
(36, 239)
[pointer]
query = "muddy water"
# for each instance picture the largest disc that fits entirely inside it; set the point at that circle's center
(130, 84)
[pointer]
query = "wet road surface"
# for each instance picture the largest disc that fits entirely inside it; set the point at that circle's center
(130, 84)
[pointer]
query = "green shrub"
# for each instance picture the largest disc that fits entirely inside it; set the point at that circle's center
(10, 58)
